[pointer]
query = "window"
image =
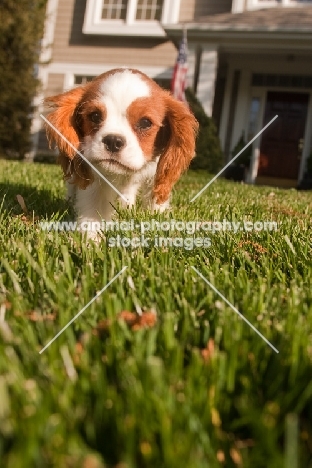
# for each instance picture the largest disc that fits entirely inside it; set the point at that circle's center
(113, 9)
(255, 4)
(278, 81)
(130, 17)
(253, 117)
(82, 79)
(164, 83)
(149, 10)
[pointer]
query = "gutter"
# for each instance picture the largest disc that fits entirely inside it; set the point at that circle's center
(224, 33)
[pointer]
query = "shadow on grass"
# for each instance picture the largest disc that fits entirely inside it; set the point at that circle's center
(39, 202)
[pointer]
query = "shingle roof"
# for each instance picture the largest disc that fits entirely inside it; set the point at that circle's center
(270, 19)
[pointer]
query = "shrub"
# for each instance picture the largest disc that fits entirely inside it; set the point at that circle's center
(21, 29)
(309, 165)
(244, 158)
(209, 155)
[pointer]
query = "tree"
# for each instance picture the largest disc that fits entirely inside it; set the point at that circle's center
(209, 155)
(21, 29)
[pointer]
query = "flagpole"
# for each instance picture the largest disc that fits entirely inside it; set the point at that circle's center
(179, 77)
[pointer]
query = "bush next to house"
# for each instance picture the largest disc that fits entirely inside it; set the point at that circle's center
(21, 30)
(306, 182)
(209, 155)
(245, 157)
(237, 171)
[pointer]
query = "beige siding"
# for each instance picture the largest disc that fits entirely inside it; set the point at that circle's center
(55, 84)
(191, 9)
(71, 45)
(187, 9)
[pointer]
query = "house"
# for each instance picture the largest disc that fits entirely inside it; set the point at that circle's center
(251, 63)
(249, 60)
(84, 38)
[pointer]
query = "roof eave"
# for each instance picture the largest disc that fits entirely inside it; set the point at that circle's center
(209, 31)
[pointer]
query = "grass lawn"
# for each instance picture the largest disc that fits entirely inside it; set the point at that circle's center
(184, 381)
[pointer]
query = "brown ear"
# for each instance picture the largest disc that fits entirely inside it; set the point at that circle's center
(180, 148)
(63, 119)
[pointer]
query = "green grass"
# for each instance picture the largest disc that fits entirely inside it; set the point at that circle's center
(197, 389)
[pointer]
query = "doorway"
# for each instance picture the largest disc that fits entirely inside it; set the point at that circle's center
(282, 143)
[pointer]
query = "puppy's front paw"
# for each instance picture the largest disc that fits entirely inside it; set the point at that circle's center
(95, 236)
(91, 229)
(159, 207)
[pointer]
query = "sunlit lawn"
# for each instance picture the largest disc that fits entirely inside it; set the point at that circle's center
(186, 384)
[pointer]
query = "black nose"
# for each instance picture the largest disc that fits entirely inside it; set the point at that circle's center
(114, 143)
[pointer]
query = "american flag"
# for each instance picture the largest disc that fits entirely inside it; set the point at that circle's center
(179, 81)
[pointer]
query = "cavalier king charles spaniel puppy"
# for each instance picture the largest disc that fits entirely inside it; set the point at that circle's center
(131, 131)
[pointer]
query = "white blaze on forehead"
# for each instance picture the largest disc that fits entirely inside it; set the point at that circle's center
(124, 87)
(117, 92)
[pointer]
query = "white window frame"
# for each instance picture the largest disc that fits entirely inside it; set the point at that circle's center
(95, 24)
(257, 4)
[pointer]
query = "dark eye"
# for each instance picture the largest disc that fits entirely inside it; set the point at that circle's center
(144, 123)
(95, 117)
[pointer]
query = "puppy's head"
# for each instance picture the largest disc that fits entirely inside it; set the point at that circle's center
(119, 122)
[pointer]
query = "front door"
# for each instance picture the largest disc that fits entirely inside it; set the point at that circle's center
(282, 142)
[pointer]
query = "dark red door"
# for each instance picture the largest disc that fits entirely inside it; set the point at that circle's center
(281, 143)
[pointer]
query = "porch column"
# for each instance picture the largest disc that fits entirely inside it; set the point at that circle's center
(43, 73)
(241, 116)
(191, 62)
(238, 6)
(207, 77)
